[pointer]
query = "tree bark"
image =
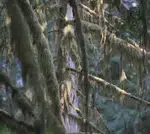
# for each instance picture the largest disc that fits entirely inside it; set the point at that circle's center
(29, 56)
(44, 55)
(80, 40)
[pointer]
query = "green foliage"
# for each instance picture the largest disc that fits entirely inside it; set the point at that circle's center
(4, 130)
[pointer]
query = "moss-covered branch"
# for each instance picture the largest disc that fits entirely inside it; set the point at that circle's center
(83, 133)
(22, 41)
(110, 86)
(26, 52)
(45, 61)
(80, 40)
(23, 102)
(82, 120)
(16, 125)
(131, 51)
(44, 55)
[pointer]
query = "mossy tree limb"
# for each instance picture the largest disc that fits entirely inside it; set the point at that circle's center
(23, 46)
(44, 55)
(45, 61)
(80, 40)
(113, 87)
(29, 60)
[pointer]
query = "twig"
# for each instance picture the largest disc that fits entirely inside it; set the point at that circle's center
(88, 9)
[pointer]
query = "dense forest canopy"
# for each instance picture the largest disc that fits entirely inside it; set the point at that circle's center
(74, 67)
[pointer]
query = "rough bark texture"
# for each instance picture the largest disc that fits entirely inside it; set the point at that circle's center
(37, 60)
(22, 41)
(21, 38)
(80, 39)
(45, 57)
(128, 49)
(23, 47)
(14, 124)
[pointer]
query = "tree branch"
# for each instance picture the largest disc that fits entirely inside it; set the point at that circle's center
(44, 53)
(95, 111)
(131, 51)
(83, 133)
(88, 9)
(94, 13)
(46, 63)
(80, 38)
(113, 87)
(23, 102)
(16, 125)
(88, 123)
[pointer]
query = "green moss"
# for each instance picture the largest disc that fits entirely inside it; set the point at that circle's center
(4, 130)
